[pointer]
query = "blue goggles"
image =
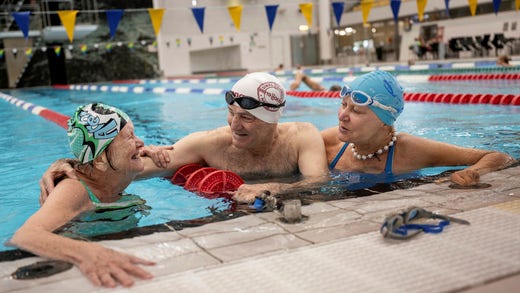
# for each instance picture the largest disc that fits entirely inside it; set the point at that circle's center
(403, 226)
(361, 98)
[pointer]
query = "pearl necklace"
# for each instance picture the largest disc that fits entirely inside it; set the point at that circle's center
(378, 152)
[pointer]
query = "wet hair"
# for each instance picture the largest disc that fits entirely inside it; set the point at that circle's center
(335, 88)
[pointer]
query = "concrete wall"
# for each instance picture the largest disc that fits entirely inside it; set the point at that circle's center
(15, 63)
(260, 49)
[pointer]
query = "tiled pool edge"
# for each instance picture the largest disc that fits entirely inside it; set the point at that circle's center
(261, 235)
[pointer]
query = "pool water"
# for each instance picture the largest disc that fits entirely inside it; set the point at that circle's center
(29, 143)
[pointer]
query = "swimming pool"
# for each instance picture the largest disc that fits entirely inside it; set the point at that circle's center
(29, 143)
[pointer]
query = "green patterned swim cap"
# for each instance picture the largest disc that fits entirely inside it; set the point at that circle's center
(92, 128)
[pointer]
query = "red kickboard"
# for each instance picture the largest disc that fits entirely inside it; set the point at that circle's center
(219, 183)
(192, 183)
(183, 173)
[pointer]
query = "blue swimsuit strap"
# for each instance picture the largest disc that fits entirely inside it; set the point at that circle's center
(338, 156)
(390, 161)
(126, 200)
(91, 194)
(388, 165)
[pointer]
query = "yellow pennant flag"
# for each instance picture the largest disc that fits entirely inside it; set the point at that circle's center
(156, 16)
(517, 5)
(473, 7)
(306, 9)
(68, 19)
(236, 13)
(421, 4)
(366, 6)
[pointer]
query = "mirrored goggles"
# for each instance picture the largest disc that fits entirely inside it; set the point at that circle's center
(248, 103)
(361, 98)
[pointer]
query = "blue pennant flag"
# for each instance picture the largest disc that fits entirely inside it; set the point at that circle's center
(113, 18)
(22, 20)
(338, 8)
(270, 10)
(447, 4)
(496, 5)
(395, 4)
(198, 13)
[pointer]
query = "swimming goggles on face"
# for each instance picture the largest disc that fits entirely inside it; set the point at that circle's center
(361, 98)
(248, 103)
(397, 226)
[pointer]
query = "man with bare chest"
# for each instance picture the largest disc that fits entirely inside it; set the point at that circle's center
(254, 145)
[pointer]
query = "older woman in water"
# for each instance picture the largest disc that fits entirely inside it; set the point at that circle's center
(102, 139)
(366, 141)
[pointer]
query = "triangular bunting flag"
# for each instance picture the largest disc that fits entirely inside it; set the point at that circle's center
(366, 6)
(338, 8)
(236, 13)
(496, 5)
(447, 4)
(29, 52)
(517, 5)
(68, 19)
(473, 6)
(22, 20)
(57, 51)
(270, 10)
(156, 16)
(306, 9)
(395, 4)
(83, 48)
(113, 18)
(421, 4)
(198, 13)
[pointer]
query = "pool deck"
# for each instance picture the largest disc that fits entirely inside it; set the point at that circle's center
(338, 248)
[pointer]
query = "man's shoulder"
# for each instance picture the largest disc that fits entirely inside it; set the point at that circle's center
(297, 126)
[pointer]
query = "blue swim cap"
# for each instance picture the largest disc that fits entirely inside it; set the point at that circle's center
(92, 128)
(381, 86)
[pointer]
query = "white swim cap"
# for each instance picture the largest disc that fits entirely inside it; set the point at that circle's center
(265, 88)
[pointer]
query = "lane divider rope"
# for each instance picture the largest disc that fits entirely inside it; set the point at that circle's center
(449, 98)
(58, 118)
(487, 76)
(495, 99)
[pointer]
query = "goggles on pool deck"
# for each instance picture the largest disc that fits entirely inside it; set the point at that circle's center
(361, 98)
(397, 225)
(248, 103)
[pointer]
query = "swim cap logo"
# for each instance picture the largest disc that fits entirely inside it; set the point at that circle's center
(105, 130)
(270, 92)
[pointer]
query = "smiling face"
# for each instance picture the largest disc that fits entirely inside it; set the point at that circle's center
(247, 131)
(357, 124)
(124, 150)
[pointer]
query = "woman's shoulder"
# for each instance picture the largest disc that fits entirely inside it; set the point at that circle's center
(70, 192)
(330, 135)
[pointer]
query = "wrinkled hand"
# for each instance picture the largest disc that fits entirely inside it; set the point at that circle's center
(159, 154)
(108, 268)
(465, 177)
(58, 169)
(247, 193)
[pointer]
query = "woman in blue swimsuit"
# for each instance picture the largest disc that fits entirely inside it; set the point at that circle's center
(365, 140)
(102, 139)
